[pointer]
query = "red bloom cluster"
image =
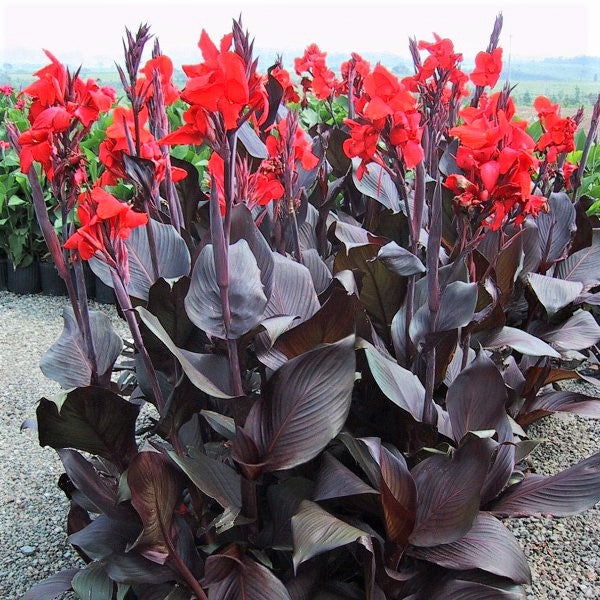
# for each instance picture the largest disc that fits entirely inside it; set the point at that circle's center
(386, 108)
(221, 85)
(6, 90)
(56, 109)
(568, 169)
(488, 66)
(253, 189)
(105, 224)
(497, 159)
(558, 136)
(316, 76)
(359, 68)
(115, 145)
(440, 69)
(302, 148)
(282, 77)
(164, 65)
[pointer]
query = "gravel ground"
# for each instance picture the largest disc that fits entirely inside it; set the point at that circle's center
(564, 554)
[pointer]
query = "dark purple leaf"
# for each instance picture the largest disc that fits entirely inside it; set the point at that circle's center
(518, 340)
(457, 306)
(105, 536)
(243, 227)
(223, 425)
(488, 546)
(471, 590)
(399, 260)
(398, 384)
(316, 532)
(247, 299)
(293, 292)
(91, 419)
(172, 253)
(51, 588)
(352, 235)
(304, 407)
(67, 363)
(556, 228)
(101, 491)
(377, 184)
(561, 401)
(577, 333)
(337, 481)
(284, 499)
(212, 477)
(503, 463)
(232, 575)
(476, 400)
(319, 271)
(582, 266)
(253, 144)
(553, 293)
(447, 164)
(359, 449)
(568, 493)
(448, 490)
(208, 372)
(92, 583)
(131, 568)
(141, 173)
(398, 493)
(155, 487)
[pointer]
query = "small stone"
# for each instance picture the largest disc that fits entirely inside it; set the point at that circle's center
(27, 550)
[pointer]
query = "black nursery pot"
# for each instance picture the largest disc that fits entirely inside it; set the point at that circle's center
(104, 294)
(23, 280)
(51, 282)
(3, 268)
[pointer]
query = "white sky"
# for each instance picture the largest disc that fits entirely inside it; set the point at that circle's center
(84, 31)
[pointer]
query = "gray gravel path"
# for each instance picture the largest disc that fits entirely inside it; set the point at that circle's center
(564, 553)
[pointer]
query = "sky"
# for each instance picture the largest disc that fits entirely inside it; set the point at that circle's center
(90, 31)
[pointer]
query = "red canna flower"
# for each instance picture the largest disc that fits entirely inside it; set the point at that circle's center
(441, 56)
(105, 224)
(568, 169)
(219, 84)
(283, 78)
(322, 79)
(488, 66)
(302, 147)
(559, 133)
(6, 90)
(91, 100)
(362, 143)
(164, 66)
(497, 159)
(406, 136)
(192, 132)
(36, 141)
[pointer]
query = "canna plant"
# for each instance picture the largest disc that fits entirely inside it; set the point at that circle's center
(342, 335)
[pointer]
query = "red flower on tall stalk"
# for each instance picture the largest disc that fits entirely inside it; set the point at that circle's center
(317, 76)
(559, 132)
(488, 66)
(116, 144)
(301, 145)
(497, 159)
(105, 224)
(282, 77)
(164, 65)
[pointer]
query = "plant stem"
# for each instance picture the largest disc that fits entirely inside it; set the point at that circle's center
(85, 319)
(128, 311)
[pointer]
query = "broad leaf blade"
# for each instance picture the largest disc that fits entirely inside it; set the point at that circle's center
(568, 493)
(66, 361)
(476, 400)
(155, 489)
(553, 293)
(305, 406)
(247, 299)
(91, 419)
(399, 260)
(377, 184)
(316, 532)
(488, 546)
(172, 255)
(449, 493)
(51, 588)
